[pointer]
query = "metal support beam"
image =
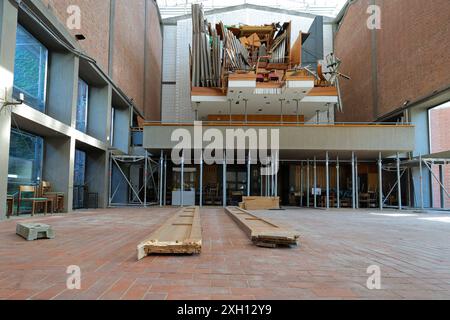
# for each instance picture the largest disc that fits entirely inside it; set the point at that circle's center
(301, 185)
(356, 182)
(182, 180)
(353, 182)
(338, 184)
(275, 173)
(110, 180)
(249, 174)
(165, 181)
(307, 184)
(224, 187)
(327, 168)
(442, 180)
(201, 180)
(161, 173)
(399, 185)
(315, 182)
(421, 181)
(380, 181)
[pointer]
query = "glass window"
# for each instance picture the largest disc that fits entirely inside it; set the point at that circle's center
(82, 106)
(25, 160)
(30, 69)
(80, 168)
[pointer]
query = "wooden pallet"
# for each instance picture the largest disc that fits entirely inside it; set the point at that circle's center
(181, 234)
(260, 203)
(262, 232)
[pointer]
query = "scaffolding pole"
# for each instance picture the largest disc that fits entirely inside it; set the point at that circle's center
(249, 163)
(301, 185)
(338, 184)
(315, 183)
(201, 180)
(307, 184)
(380, 181)
(353, 182)
(399, 189)
(328, 179)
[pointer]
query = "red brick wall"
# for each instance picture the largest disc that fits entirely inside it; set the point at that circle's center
(413, 55)
(353, 47)
(440, 129)
(131, 48)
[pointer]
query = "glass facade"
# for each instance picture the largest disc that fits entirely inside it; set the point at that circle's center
(82, 106)
(25, 160)
(79, 179)
(30, 69)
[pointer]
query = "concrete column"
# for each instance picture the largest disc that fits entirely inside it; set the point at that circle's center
(97, 175)
(99, 109)
(62, 93)
(59, 161)
(8, 25)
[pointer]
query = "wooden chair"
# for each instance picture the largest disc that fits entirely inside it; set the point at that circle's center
(57, 197)
(34, 199)
(10, 205)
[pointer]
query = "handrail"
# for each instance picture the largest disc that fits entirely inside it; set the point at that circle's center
(278, 123)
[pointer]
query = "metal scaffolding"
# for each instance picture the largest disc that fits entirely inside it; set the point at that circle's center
(137, 194)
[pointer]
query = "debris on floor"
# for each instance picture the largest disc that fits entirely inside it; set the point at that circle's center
(34, 231)
(181, 234)
(262, 232)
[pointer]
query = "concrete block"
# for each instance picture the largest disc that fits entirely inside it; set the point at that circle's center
(34, 231)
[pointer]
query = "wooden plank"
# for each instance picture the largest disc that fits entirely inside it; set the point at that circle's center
(262, 232)
(261, 203)
(181, 234)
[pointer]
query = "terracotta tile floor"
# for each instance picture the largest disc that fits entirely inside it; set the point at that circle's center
(336, 249)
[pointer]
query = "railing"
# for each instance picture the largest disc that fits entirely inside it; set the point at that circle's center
(278, 123)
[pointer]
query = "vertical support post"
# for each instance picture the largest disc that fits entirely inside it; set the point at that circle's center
(327, 168)
(353, 182)
(308, 180)
(380, 182)
(246, 110)
(165, 181)
(224, 173)
(356, 182)
(421, 182)
(399, 183)
(182, 180)
(442, 180)
(275, 173)
(145, 178)
(201, 179)
(301, 185)
(110, 180)
(231, 117)
(249, 174)
(315, 182)
(161, 174)
(281, 106)
(317, 117)
(297, 112)
(338, 184)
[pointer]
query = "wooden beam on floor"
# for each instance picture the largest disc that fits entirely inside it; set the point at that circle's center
(181, 234)
(260, 203)
(262, 232)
